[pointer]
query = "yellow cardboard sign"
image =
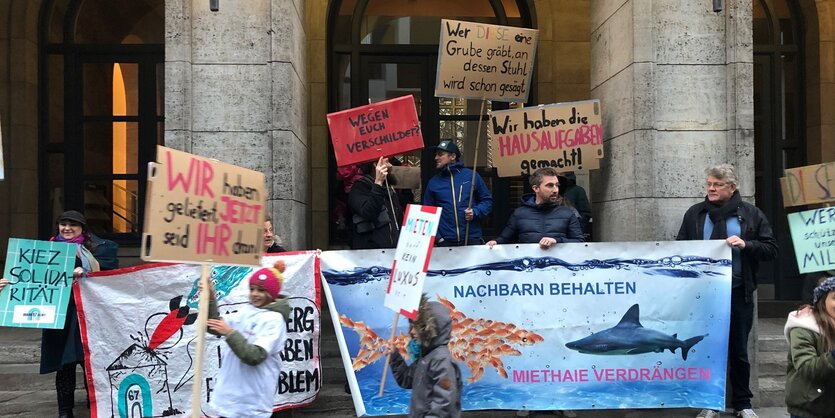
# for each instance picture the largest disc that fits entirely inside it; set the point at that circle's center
(808, 185)
(202, 211)
(566, 136)
(481, 61)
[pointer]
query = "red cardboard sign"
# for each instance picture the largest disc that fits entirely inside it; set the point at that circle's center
(380, 129)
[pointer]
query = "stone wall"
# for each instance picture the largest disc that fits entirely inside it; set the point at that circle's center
(237, 90)
(675, 80)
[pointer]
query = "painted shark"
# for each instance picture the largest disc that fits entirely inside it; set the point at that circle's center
(630, 337)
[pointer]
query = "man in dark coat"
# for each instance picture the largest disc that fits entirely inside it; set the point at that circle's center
(377, 214)
(540, 218)
(723, 215)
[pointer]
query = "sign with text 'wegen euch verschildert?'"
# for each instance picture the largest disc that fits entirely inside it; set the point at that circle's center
(40, 277)
(380, 129)
(481, 61)
(411, 259)
(566, 136)
(202, 211)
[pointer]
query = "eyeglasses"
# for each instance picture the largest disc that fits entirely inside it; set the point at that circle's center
(717, 184)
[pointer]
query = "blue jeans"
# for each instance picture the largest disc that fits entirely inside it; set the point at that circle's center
(742, 319)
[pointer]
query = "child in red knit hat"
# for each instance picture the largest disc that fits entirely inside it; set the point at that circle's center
(255, 336)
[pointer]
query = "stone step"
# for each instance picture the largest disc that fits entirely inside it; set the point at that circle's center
(772, 363)
(35, 404)
(772, 391)
(772, 343)
(27, 377)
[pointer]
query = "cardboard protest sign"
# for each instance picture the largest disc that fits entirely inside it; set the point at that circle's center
(380, 129)
(813, 237)
(411, 259)
(808, 185)
(566, 136)
(480, 61)
(202, 211)
(40, 276)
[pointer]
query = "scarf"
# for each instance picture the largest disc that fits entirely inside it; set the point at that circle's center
(88, 261)
(720, 212)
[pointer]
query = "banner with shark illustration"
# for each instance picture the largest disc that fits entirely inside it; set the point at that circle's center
(577, 326)
(138, 332)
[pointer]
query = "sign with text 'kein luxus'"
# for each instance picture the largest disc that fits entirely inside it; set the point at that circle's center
(481, 61)
(411, 259)
(201, 210)
(381, 129)
(40, 277)
(566, 136)
(813, 237)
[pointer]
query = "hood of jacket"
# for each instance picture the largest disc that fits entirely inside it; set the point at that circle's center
(530, 201)
(281, 305)
(433, 324)
(451, 168)
(800, 319)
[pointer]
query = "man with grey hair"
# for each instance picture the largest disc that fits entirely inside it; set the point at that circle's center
(723, 215)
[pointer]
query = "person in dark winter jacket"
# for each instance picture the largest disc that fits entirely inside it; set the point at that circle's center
(377, 213)
(577, 198)
(271, 244)
(810, 375)
(450, 189)
(433, 376)
(541, 218)
(723, 215)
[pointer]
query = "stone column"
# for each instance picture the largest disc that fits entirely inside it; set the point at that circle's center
(235, 90)
(675, 81)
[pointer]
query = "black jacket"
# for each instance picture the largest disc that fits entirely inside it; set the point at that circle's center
(374, 223)
(530, 222)
(760, 244)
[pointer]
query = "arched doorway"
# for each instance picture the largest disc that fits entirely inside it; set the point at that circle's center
(100, 110)
(779, 126)
(381, 49)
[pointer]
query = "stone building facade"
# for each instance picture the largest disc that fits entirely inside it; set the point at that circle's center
(682, 86)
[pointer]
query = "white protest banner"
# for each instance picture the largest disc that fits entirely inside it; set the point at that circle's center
(566, 136)
(138, 329)
(813, 237)
(481, 61)
(201, 210)
(577, 326)
(411, 259)
(40, 283)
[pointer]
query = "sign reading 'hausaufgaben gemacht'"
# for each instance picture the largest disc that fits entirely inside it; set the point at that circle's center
(202, 211)
(480, 61)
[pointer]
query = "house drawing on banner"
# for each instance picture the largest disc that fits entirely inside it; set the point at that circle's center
(136, 375)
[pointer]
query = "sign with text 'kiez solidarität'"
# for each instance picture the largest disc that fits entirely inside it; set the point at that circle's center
(40, 277)
(381, 129)
(566, 136)
(480, 61)
(202, 211)
(411, 259)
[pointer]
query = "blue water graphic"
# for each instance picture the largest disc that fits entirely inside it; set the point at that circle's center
(672, 266)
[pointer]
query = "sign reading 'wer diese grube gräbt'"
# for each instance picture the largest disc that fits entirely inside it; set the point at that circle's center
(480, 61)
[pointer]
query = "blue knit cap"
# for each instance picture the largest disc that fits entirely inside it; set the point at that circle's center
(827, 286)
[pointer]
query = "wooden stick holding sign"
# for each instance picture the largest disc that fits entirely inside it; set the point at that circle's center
(475, 164)
(411, 261)
(202, 317)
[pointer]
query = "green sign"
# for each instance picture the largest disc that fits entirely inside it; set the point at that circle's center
(40, 273)
(813, 236)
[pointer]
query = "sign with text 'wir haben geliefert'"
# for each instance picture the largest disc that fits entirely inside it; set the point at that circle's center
(202, 211)
(480, 61)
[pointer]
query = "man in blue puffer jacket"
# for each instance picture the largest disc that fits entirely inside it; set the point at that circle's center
(541, 219)
(450, 189)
